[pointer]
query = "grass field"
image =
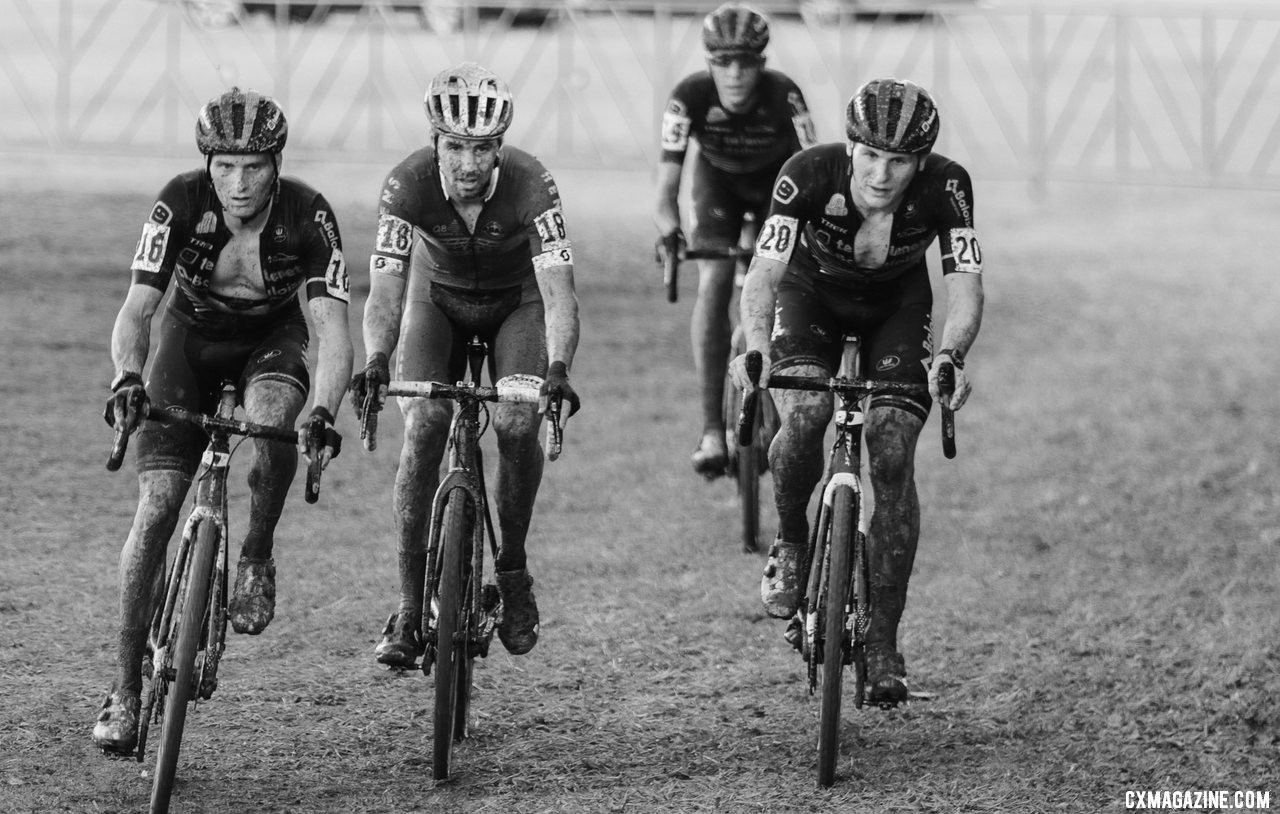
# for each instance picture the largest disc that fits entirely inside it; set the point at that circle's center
(1093, 606)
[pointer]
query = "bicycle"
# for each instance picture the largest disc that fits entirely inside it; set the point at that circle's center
(745, 464)
(461, 610)
(192, 618)
(836, 610)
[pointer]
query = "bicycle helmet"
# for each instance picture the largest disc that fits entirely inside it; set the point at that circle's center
(735, 29)
(469, 102)
(241, 121)
(895, 115)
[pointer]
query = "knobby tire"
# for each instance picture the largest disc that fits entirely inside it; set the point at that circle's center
(452, 659)
(843, 527)
(190, 628)
(747, 469)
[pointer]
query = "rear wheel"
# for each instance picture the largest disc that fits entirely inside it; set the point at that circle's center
(453, 663)
(189, 623)
(843, 527)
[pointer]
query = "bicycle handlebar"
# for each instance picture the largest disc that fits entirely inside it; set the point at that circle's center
(671, 264)
(849, 388)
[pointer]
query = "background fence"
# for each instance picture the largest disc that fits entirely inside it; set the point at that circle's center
(1169, 93)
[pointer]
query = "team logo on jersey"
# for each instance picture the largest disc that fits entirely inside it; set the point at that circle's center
(440, 229)
(716, 115)
(493, 229)
(328, 227)
(836, 206)
(785, 190)
(887, 363)
(271, 354)
(959, 202)
(280, 235)
(208, 224)
(161, 213)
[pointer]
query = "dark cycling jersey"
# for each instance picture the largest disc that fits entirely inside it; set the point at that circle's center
(520, 230)
(186, 232)
(811, 202)
(777, 125)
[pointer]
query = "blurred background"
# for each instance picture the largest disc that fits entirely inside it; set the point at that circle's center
(1181, 93)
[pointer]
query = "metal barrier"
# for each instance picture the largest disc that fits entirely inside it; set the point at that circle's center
(1174, 93)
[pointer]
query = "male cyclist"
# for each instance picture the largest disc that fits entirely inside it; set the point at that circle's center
(748, 120)
(471, 241)
(843, 251)
(241, 242)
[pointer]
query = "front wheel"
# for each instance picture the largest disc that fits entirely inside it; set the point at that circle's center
(453, 661)
(844, 524)
(181, 685)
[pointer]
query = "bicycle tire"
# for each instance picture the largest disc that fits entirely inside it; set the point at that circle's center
(191, 627)
(452, 658)
(861, 615)
(745, 469)
(843, 528)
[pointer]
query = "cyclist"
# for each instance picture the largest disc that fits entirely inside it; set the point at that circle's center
(241, 242)
(843, 251)
(747, 120)
(471, 240)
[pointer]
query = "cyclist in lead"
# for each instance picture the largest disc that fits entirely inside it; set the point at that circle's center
(471, 240)
(843, 251)
(241, 242)
(747, 120)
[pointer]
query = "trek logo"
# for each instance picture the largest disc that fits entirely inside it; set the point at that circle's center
(836, 206)
(785, 190)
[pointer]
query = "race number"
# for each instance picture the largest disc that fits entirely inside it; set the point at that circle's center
(550, 226)
(965, 250)
(395, 235)
(335, 277)
(151, 247)
(556, 254)
(777, 238)
(675, 129)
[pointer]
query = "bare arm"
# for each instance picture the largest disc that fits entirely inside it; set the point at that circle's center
(382, 312)
(131, 336)
(560, 302)
(964, 316)
(667, 213)
(333, 365)
(759, 293)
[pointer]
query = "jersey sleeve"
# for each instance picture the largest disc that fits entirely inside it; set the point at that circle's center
(548, 237)
(957, 238)
(398, 207)
(158, 247)
(788, 207)
(326, 269)
(677, 124)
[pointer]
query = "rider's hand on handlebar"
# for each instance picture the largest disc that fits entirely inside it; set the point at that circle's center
(128, 404)
(962, 389)
(556, 388)
(317, 435)
(369, 386)
(669, 245)
(738, 370)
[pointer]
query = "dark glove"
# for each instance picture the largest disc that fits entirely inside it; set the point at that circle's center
(369, 386)
(670, 245)
(556, 388)
(318, 432)
(128, 404)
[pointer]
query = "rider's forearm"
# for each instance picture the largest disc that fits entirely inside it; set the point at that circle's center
(562, 327)
(382, 312)
(667, 213)
(756, 307)
(333, 357)
(131, 335)
(964, 313)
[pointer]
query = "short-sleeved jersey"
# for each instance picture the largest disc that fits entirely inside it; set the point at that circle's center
(186, 232)
(777, 124)
(812, 222)
(520, 230)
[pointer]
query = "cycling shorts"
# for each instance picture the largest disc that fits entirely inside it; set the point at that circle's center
(440, 321)
(812, 317)
(189, 370)
(721, 200)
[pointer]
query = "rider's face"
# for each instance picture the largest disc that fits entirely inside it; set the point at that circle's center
(735, 76)
(243, 183)
(881, 177)
(467, 165)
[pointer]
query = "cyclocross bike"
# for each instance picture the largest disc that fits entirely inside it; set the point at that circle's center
(746, 464)
(836, 611)
(189, 621)
(460, 610)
